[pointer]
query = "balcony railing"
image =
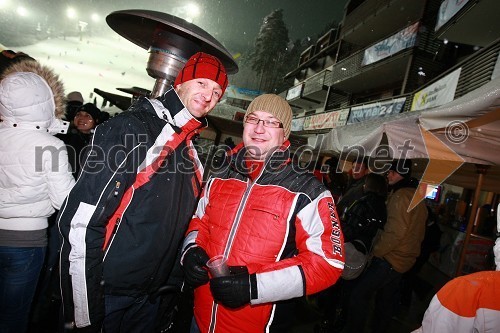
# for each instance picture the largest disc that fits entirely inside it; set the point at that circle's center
(476, 70)
(316, 83)
(353, 64)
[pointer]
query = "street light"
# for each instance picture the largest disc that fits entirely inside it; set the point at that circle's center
(71, 13)
(4, 4)
(193, 11)
(21, 11)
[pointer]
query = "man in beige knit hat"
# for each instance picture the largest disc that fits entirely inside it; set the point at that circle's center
(276, 225)
(267, 125)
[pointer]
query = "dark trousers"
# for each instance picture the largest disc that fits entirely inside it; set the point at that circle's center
(46, 313)
(19, 272)
(381, 281)
(125, 314)
(334, 303)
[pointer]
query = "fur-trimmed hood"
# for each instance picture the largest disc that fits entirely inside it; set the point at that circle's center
(31, 97)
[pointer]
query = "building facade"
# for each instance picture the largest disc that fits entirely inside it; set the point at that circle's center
(385, 53)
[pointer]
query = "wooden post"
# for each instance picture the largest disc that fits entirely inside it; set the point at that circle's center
(481, 170)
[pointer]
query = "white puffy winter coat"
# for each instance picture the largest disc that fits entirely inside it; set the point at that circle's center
(34, 171)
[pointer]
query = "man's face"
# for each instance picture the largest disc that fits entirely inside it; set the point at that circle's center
(259, 139)
(393, 177)
(358, 170)
(199, 96)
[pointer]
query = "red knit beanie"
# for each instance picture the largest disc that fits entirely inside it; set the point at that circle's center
(203, 65)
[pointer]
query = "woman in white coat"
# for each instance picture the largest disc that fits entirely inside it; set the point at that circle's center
(34, 181)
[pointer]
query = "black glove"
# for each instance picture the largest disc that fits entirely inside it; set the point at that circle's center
(234, 270)
(194, 265)
(235, 290)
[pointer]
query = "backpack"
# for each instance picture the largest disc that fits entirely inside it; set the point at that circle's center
(355, 260)
(362, 230)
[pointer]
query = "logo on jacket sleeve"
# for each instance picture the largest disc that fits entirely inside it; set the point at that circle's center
(335, 236)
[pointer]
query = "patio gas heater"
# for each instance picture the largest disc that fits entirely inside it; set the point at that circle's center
(170, 41)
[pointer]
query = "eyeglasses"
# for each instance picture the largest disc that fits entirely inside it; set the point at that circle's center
(267, 123)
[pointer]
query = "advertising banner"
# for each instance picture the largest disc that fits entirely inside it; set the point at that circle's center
(376, 110)
(404, 39)
(447, 10)
(294, 92)
(326, 120)
(242, 93)
(297, 124)
(438, 93)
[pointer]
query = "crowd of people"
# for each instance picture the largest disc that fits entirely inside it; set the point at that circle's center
(116, 218)
(115, 234)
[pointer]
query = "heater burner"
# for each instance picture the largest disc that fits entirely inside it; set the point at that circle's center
(170, 41)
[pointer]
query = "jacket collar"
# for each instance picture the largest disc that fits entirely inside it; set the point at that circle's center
(170, 108)
(275, 161)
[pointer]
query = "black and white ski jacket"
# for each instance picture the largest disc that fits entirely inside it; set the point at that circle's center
(125, 218)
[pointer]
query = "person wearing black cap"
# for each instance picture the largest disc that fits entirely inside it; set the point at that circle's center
(394, 253)
(84, 121)
(354, 189)
(125, 219)
(86, 118)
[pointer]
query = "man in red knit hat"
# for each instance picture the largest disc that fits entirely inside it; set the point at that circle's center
(206, 68)
(124, 220)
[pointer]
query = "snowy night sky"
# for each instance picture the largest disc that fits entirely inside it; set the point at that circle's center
(105, 60)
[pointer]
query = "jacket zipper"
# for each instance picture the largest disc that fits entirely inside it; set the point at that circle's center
(232, 234)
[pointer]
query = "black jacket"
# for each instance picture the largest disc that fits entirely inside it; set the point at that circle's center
(363, 218)
(353, 192)
(76, 144)
(126, 216)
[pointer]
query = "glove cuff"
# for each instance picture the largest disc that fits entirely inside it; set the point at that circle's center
(186, 249)
(253, 286)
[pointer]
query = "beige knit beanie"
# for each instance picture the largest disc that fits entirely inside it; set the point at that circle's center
(275, 105)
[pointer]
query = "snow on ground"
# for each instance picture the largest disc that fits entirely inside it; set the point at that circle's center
(100, 62)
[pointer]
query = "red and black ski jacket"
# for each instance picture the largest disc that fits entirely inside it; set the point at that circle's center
(283, 226)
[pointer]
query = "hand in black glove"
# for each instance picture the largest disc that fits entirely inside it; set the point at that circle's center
(234, 290)
(194, 265)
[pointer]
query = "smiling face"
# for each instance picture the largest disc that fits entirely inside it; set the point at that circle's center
(199, 96)
(260, 140)
(84, 122)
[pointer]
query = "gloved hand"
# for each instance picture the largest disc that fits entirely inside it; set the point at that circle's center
(194, 265)
(234, 290)
(234, 270)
